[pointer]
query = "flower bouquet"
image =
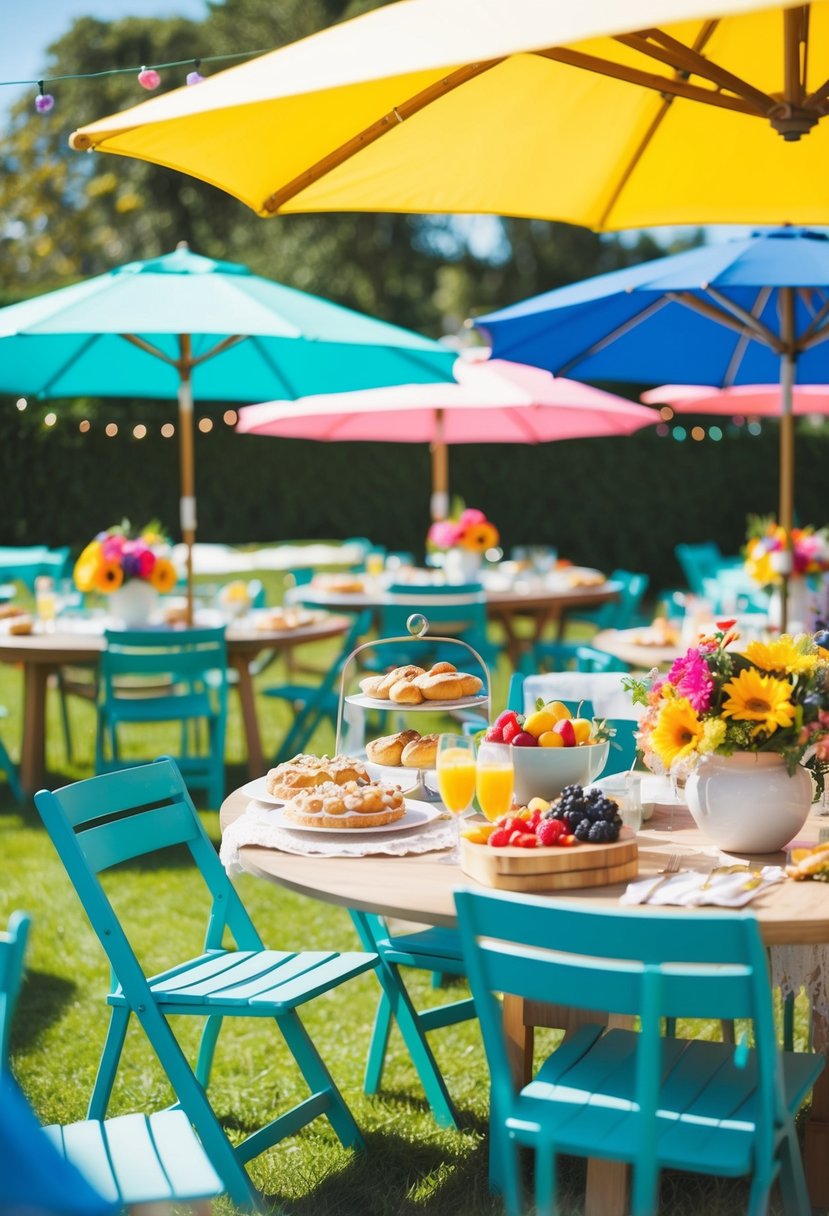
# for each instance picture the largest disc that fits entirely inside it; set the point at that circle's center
(470, 530)
(768, 697)
(119, 556)
(768, 556)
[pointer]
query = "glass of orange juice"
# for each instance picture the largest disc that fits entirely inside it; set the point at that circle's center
(456, 772)
(495, 779)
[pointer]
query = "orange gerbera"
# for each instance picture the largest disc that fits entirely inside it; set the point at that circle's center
(479, 537)
(108, 577)
(163, 575)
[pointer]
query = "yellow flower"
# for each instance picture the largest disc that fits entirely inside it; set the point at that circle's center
(86, 567)
(783, 654)
(479, 537)
(163, 575)
(108, 577)
(753, 697)
(678, 731)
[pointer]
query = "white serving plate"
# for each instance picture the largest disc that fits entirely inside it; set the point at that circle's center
(396, 707)
(418, 814)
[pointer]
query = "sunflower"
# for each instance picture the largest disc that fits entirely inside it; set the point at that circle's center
(753, 697)
(163, 575)
(678, 731)
(108, 577)
(86, 567)
(479, 537)
(783, 654)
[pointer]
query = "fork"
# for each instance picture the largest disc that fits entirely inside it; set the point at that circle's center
(670, 868)
(735, 868)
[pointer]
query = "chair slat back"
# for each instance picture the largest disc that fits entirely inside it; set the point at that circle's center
(652, 964)
(12, 952)
(108, 819)
(186, 654)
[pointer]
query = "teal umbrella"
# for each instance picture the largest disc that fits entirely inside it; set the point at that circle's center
(183, 327)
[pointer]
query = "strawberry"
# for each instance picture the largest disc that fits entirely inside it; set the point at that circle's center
(550, 831)
(509, 730)
(509, 715)
(495, 734)
(527, 840)
(513, 823)
(499, 838)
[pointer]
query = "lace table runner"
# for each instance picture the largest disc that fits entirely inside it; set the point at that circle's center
(256, 826)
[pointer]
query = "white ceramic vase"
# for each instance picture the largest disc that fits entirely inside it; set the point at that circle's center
(462, 566)
(747, 802)
(133, 603)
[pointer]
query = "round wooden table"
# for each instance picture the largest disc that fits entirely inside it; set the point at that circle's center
(530, 599)
(42, 654)
(421, 888)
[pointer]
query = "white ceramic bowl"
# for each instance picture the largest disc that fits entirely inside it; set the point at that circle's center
(543, 772)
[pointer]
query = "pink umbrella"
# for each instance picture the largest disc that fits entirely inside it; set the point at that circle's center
(761, 400)
(493, 401)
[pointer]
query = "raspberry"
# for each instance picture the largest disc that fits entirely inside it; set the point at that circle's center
(550, 831)
(499, 838)
(526, 840)
(495, 734)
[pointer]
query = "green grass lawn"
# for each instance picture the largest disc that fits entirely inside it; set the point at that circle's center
(411, 1165)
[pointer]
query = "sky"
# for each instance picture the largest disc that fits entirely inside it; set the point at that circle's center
(28, 27)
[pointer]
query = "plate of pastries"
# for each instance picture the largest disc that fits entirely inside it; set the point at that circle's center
(336, 794)
(404, 749)
(411, 685)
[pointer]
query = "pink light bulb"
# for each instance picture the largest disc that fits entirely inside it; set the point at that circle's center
(149, 78)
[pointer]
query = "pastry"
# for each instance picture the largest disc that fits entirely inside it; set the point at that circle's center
(9, 610)
(344, 583)
(405, 692)
(389, 748)
(20, 625)
(471, 684)
(421, 752)
(439, 669)
(409, 673)
(306, 772)
(371, 688)
(351, 805)
(446, 686)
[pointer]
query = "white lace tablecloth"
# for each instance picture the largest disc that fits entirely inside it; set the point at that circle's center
(256, 826)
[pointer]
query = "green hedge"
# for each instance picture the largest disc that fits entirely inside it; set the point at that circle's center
(604, 502)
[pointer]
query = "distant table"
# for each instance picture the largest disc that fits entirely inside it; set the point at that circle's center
(42, 654)
(421, 888)
(633, 648)
(530, 599)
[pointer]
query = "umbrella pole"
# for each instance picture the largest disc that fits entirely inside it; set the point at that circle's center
(187, 504)
(439, 504)
(787, 369)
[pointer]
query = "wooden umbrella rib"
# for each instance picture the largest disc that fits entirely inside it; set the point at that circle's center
(388, 122)
(795, 30)
(686, 59)
(651, 80)
(149, 349)
(747, 325)
(219, 348)
(751, 321)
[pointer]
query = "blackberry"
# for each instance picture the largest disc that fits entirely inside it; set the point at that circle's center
(603, 832)
(583, 829)
(595, 813)
(572, 789)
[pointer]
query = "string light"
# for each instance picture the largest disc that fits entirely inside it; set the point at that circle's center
(194, 77)
(44, 102)
(84, 426)
(168, 430)
(205, 425)
(139, 432)
(50, 419)
(666, 413)
(230, 417)
(149, 78)
(111, 430)
(21, 403)
(697, 433)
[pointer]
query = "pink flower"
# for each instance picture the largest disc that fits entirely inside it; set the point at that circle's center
(445, 533)
(692, 679)
(112, 548)
(471, 516)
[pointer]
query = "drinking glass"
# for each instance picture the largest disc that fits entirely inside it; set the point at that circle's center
(375, 564)
(495, 779)
(46, 604)
(456, 775)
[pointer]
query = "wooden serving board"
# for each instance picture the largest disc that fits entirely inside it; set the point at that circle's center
(552, 868)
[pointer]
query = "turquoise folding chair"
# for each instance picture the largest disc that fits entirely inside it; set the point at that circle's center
(433, 949)
(569, 656)
(315, 703)
(24, 563)
(92, 1167)
(157, 676)
(9, 767)
(600, 695)
(653, 1102)
(100, 822)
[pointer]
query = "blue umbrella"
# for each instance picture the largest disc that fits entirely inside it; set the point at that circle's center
(747, 311)
(184, 326)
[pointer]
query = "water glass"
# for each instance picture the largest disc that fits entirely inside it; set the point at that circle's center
(495, 779)
(46, 601)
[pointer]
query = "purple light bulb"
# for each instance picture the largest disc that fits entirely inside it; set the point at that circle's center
(44, 102)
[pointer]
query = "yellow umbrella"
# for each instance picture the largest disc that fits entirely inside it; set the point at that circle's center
(599, 113)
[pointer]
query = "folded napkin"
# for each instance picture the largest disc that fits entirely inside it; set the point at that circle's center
(693, 888)
(257, 826)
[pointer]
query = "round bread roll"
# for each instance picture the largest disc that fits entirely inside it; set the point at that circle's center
(421, 752)
(409, 672)
(389, 749)
(371, 688)
(404, 692)
(440, 669)
(446, 687)
(471, 684)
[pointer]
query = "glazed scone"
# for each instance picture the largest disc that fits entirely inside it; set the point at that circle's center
(305, 772)
(351, 805)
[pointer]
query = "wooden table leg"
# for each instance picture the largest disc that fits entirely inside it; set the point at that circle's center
(247, 700)
(33, 742)
(520, 1038)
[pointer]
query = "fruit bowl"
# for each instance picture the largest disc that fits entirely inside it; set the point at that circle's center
(543, 772)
